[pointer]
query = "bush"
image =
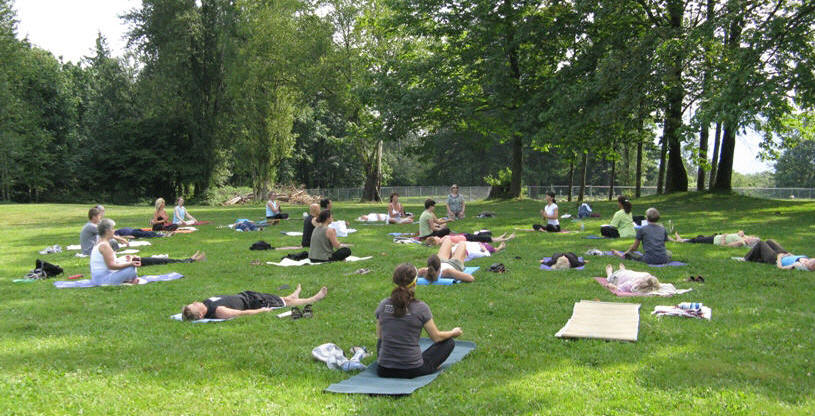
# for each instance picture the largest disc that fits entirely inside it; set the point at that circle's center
(218, 195)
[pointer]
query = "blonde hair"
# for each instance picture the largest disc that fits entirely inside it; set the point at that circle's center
(561, 263)
(159, 203)
(646, 285)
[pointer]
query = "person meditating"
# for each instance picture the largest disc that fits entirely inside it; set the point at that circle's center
(429, 225)
(89, 235)
(400, 319)
(737, 239)
(396, 213)
(549, 213)
(160, 221)
(245, 303)
(447, 263)
(622, 223)
(180, 214)
(324, 245)
(771, 252)
(455, 204)
(653, 237)
(273, 211)
(309, 222)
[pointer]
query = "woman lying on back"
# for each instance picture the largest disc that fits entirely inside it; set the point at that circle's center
(399, 323)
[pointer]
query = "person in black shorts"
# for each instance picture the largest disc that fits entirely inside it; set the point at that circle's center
(245, 303)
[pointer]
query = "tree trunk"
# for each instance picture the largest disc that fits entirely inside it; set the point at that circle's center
(728, 147)
(700, 175)
(583, 177)
(611, 181)
(571, 178)
(517, 166)
(714, 160)
(677, 177)
(373, 178)
(662, 157)
(638, 180)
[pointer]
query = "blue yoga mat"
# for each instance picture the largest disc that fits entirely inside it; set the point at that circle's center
(367, 382)
(545, 267)
(177, 317)
(674, 263)
(68, 284)
(595, 237)
(445, 281)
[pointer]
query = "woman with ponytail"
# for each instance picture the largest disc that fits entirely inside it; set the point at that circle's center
(399, 322)
(447, 263)
(622, 223)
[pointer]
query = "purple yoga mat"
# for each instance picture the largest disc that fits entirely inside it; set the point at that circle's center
(69, 284)
(669, 264)
(545, 267)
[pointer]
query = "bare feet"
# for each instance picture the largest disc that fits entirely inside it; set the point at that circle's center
(199, 256)
(618, 254)
(296, 293)
(511, 236)
(609, 270)
(321, 294)
(622, 266)
(501, 246)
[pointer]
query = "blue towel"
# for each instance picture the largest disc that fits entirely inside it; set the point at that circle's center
(595, 237)
(368, 382)
(401, 234)
(66, 284)
(178, 317)
(444, 281)
(674, 263)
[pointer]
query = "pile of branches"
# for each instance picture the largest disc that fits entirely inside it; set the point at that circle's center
(289, 194)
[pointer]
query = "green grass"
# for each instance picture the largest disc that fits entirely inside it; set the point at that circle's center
(113, 350)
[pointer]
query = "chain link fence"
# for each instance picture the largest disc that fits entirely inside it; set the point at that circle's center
(592, 193)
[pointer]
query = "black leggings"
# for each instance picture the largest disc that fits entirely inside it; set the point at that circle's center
(341, 254)
(278, 216)
(701, 239)
(165, 227)
(573, 260)
(156, 261)
(433, 357)
(609, 231)
(549, 227)
(765, 252)
(481, 238)
(437, 233)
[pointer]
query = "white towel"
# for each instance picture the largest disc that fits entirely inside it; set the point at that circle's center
(139, 243)
(74, 247)
(287, 262)
(707, 313)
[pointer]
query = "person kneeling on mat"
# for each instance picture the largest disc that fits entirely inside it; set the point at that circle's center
(324, 241)
(447, 263)
(399, 322)
(245, 303)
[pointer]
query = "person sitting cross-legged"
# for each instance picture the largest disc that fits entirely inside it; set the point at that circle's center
(653, 237)
(245, 303)
(324, 245)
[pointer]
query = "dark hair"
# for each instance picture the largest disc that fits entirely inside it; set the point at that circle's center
(93, 212)
(402, 295)
(187, 314)
(393, 195)
(625, 203)
(433, 268)
(324, 203)
(429, 203)
(324, 215)
(552, 194)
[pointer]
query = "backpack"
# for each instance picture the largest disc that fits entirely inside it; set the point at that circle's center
(44, 270)
(584, 211)
(261, 245)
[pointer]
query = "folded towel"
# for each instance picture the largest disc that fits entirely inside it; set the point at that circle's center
(67, 284)
(287, 262)
(703, 313)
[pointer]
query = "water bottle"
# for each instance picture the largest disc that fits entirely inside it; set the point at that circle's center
(582, 226)
(690, 305)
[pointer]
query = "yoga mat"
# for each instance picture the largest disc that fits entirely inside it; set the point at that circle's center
(603, 320)
(596, 237)
(367, 382)
(445, 281)
(673, 263)
(178, 317)
(666, 290)
(287, 262)
(292, 233)
(545, 267)
(68, 284)
(139, 243)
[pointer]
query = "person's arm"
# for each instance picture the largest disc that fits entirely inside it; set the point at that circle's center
(222, 312)
(110, 259)
(272, 206)
(121, 240)
(463, 206)
(737, 243)
(155, 219)
(555, 214)
(378, 330)
(633, 247)
(616, 220)
(332, 237)
(455, 274)
(438, 336)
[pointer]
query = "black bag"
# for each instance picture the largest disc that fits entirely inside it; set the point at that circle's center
(49, 269)
(261, 245)
(497, 268)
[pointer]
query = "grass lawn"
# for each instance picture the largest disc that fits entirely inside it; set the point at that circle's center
(113, 350)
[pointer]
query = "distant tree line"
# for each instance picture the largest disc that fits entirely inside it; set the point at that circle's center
(341, 93)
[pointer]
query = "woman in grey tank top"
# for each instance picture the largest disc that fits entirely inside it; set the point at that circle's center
(324, 244)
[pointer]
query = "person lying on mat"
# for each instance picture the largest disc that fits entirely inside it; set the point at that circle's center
(472, 249)
(771, 252)
(566, 260)
(653, 237)
(447, 263)
(481, 237)
(737, 239)
(138, 233)
(273, 211)
(400, 319)
(396, 213)
(180, 214)
(630, 281)
(160, 221)
(324, 245)
(622, 223)
(429, 225)
(309, 222)
(89, 235)
(373, 217)
(455, 204)
(549, 213)
(245, 303)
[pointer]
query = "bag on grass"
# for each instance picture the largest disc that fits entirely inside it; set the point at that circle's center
(261, 245)
(50, 270)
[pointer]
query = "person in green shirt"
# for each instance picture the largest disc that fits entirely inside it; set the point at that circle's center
(622, 223)
(429, 225)
(737, 239)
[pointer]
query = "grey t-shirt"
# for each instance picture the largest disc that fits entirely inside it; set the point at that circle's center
(653, 238)
(88, 237)
(399, 346)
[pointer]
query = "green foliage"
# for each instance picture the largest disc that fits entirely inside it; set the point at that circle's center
(796, 166)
